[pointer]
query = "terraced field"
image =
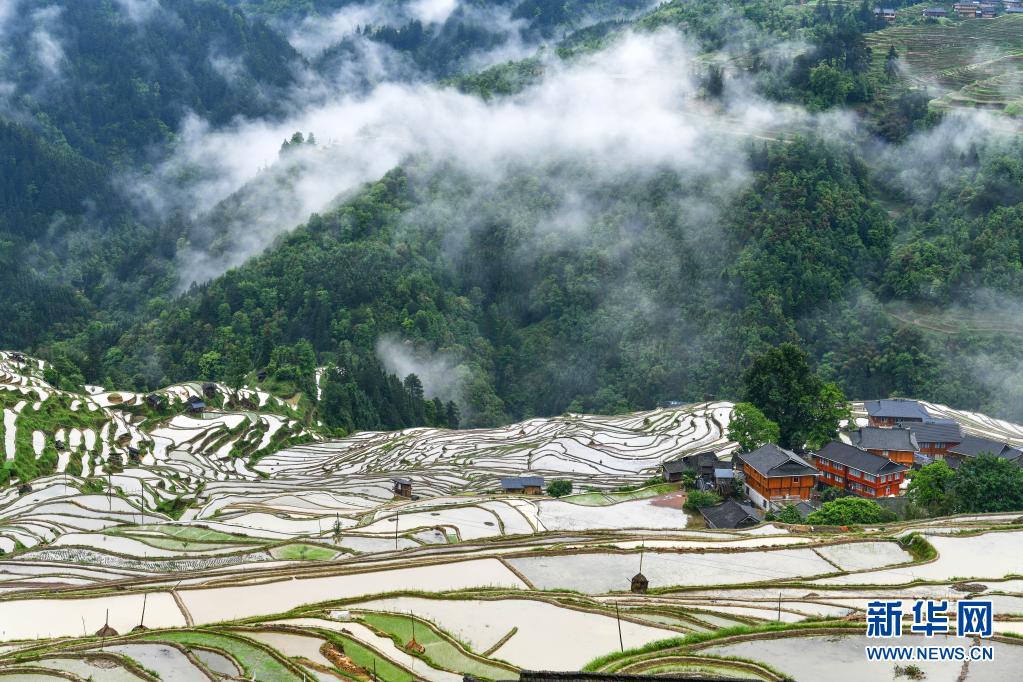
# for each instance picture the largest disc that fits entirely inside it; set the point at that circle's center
(968, 64)
(298, 563)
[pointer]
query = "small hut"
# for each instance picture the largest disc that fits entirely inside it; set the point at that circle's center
(59, 444)
(154, 400)
(402, 487)
(134, 455)
(196, 405)
(209, 389)
(24, 489)
(639, 583)
(106, 631)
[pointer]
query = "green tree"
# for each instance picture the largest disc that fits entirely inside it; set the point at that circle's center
(830, 85)
(788, 392)
(559, 488)
(826, 411)
(211, 365)
(848, 511)
(701, 498)
(750, 428)
(891, 63)
(987, 484)
(929, 488)
(788, 514)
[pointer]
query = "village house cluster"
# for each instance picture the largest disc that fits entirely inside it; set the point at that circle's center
(870, 462)
(986, 9)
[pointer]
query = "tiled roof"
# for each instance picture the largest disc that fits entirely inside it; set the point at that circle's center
(935, 431)
(771, 460)
(728, 514)
(897, 408)
(521, 482)
(852, 456)
(874, 438)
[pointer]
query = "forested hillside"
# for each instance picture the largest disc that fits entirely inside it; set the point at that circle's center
(533, 207)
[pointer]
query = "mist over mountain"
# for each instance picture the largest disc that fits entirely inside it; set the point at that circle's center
(533, 207)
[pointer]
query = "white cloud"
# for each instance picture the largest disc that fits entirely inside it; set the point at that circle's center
(139, 10)
(432, 11)
(630, 110)
(48, 50)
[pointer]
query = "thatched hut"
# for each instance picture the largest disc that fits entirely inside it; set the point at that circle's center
(639, 583)
(106, 631)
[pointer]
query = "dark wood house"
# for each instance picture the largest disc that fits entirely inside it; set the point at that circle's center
(523, 485)
(730, 514)
(701, 464)
(402, 487)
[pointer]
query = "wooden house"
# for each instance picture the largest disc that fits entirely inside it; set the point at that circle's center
(935, 436)
(196, 405)
(730, 514)
(891, 411)
(935, 12)
(975, 446)
(886, 13)
(523, 485)
(702, 464)
(966, 10)
(897, 443)
(402, 487)
(773, 474)
(860, 472)
(672, 471)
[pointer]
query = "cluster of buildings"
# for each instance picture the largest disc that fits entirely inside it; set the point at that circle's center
(986, 9)
(870, 462)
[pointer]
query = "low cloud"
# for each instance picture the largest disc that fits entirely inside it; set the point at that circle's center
(442, 375)
(48, 50)
(628, 112)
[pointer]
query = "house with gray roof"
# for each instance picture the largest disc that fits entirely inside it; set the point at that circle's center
(528, 485)
(935, 436)
(730, 514)
(860, 472)
(890, 411)
(774, 474)
(897, 444)
(974, 446)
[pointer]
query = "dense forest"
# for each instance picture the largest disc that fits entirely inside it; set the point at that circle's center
(556, 284)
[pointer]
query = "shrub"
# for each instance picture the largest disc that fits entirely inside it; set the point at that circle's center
(849, 511)
(559, 488)
(701, 498)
